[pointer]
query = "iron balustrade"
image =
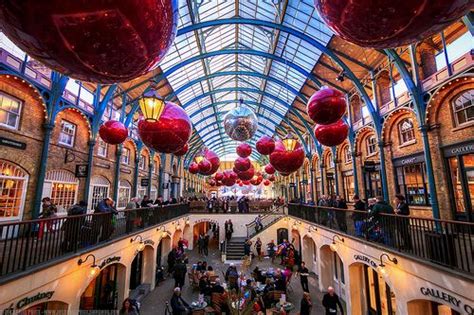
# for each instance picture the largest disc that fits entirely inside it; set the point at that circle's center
(27, 244)
(443, 242)
(267, 219)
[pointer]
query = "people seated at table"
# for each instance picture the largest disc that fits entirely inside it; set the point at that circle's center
(257, 275)
(205, 285)
(280, 282)
(217, 287)
(178, 304)
(210, 272)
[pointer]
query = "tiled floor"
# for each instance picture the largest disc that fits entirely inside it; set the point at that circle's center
(154, 303)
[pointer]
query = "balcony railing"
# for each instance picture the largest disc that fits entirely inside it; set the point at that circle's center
(26, 244)
(442, 242)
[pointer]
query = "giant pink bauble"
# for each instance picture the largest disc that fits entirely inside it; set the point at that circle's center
(113, 132)
(326, 106)
(242, 164)
(271, 178)
(266, 182)
(389, 23)
(100, 41)
(182, 151)
(269, 169)
(219, 176)
(244, 150)
(212, 182)
(247, 175)
(204, 166)
(265, 145)
(170, 133)
(287, 161)
(193, 168)
(333, 134)
(212, 157)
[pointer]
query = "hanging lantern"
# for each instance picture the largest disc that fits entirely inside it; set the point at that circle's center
(193, 168)
(113, 132)
(182, 151)
(98, 41)
(333, 134)
(169, 133)
(290, 142)
(269, 169)
(287, 158)
(243, 150)
(241, 123)
(326, 106)
(242, 164)
(385, 24)
(151, 105)
(265, 145)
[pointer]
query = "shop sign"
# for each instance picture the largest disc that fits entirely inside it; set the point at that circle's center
(440, 295)
(12, 143)
(81, 170)
(28, 300)
(459, 149)
(366, 260)
(144, 182)
(102, 165)
(149, 242)
(206, 220)
(109, 260)
(371, 166)
(407, 160)
(125, 170)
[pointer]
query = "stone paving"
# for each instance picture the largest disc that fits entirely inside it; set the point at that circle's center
(154, 303)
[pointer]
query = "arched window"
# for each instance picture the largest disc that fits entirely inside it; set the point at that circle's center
(99, 190)
(141, 191)
(463, 108)
(124, 194)
(406, 132)
(13, 183)
(371, 145)
(154, 192)
(330, 161)
(61, 186)
(347, 155)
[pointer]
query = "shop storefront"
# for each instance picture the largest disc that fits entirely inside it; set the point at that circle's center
(136, 271)
(372, 183)
(459, 161)
(411, 180)
(102, 292)
(46, 308)
(330, 183)
(380, 298)
(348, 185)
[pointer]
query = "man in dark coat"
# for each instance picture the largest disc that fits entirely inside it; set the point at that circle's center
(178, 304)
(72, 226)
(179, 274)
(359, 217)
(341, 214)
(331, 302)
(403, 222)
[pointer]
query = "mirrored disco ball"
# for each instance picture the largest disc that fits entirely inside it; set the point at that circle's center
(240, 123)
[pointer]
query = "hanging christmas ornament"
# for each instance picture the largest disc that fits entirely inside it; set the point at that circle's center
(212, 183)
(204, 166)
(210, 156)
(265, 145)
(387, 23)
(243, 150)
(219, 176)
(246, 182)
(288, 155)
(333, 134)
(242, 164)
(99, 41)
(193, 168)
(182, 151)
(326, 106)
(247, 175)
(271, 178)
(266, 182)
(241, 123)
(241, 184)
(169, 133)
(269, 169)
(113, 132)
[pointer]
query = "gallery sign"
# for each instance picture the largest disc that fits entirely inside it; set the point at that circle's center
(408, 160)
(12, 143)
(448, 298)
(367, 260)
(459, 149)
(108, 261)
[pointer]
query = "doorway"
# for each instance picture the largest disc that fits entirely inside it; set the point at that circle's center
(136, 271)
(102, 293)
(282, 234)
(372, 185)
(380, 298)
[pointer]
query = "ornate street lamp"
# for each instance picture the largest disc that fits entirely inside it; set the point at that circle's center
(151, 105)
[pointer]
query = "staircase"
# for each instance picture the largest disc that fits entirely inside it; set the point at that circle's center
(267, 220)
(235, 248)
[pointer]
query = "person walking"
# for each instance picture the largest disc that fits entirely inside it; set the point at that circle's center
(258, 223)
(271, 249)
(258, 247)
(178, 304)
(403, 222)
(128, 308)
(205, 247)
(358, 217)
(331, 302)
(179, 274)
(306, 304)
(304, 273)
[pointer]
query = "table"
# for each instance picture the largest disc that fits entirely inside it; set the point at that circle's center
(196, 306)
(288, 306)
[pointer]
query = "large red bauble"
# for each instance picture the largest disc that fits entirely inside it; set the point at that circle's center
(247, 175)
(269, 169)
(242, 164)
(212, 183)
(229, 182)
(170, 133)
(271, 178)
(241, 184)
(194, 168)
(284, 174)
(113, 132)
(182, 151)
(333, 134)
(219, 176)
(254, 181)
(388, 23)
(265, 145)
(326, 106)
(244, 150)
(100, 41)
(246, 182)
(266, 182)
(204, 166)
(287, 161)
(212, 157)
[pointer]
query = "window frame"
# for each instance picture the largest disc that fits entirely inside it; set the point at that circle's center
(73, 136)
(369, 145)
(20, 103)
(401, 184)
(347, 155)
(464, 109)
(102, 144)
(402, 133)
(142, 162)
(126, 154)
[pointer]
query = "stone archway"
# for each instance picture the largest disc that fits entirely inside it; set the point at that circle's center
(176, 236)
(326, 267)
(309, 254)
(149, 266)
(429, 307)
(48, 307)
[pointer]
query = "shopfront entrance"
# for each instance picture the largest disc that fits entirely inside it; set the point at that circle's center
(331, 185)
(46, 308)
(372, 184)
(429, 308)
(102, 293)
(136, 271)
(460, 165)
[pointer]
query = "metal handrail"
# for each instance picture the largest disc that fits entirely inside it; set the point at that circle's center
(267, 219)
(443, 242)
(29, 243)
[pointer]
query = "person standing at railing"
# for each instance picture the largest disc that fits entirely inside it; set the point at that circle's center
(384, 225)
(403, 225)
(358, 217)
(341, 214)
(105, 220)
(73, 227)
(131, 217)
(323, 214)
(49, 210)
